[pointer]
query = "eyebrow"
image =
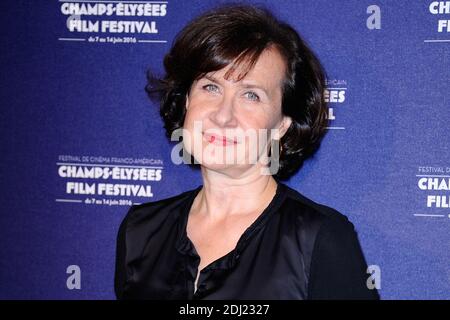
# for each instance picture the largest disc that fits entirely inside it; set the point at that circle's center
(244, 84)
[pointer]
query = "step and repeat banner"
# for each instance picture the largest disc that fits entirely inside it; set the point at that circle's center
(81, 141)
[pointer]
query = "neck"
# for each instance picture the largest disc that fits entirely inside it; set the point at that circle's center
(222, 196)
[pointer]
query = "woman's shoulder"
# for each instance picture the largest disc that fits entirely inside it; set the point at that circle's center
(306, 210)
(320, 225)
(152, 216)
(337, 263)
(161, 208)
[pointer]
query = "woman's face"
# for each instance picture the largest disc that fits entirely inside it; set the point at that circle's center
(228, 123)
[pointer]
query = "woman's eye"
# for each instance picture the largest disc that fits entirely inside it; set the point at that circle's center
(252, 96)
(213, 88)
(210, 87)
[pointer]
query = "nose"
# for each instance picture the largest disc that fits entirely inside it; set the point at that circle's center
(224, 113)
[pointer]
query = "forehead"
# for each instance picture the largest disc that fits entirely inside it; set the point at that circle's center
(268, 70)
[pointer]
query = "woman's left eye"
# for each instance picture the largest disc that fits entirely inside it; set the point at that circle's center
(253, 96)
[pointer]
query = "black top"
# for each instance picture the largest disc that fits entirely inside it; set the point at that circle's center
(296, 249)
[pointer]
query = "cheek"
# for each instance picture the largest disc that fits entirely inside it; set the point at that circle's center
(256, 121)
(193, 113)
(194, 124)
(262, 126)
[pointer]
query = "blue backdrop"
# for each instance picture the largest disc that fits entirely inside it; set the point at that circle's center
(75, 117)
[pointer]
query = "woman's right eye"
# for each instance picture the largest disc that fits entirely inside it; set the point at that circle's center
(210, 87)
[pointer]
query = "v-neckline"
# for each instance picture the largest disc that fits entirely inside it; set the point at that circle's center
(187, 246)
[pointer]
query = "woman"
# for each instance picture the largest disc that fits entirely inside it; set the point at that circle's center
(239, 83)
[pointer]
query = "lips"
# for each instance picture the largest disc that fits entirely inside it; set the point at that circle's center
(219, 140)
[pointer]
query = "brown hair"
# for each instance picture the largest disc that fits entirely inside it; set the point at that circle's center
(240, 33)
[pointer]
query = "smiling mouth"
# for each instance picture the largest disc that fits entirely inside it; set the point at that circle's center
(219, 140)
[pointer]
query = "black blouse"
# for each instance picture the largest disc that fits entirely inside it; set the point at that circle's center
(296, 249)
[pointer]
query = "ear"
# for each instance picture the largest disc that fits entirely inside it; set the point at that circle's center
(284, 126)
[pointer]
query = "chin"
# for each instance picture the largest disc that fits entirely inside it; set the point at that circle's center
(229, 170)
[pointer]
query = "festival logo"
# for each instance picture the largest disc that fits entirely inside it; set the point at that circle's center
(335, 95)
(434, 183)
(107, 180)
(440, 14)
(112, 22)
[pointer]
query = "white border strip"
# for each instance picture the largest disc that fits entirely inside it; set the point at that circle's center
(153, 41)
(432, 175)
(429, 215)
(104, 1)
(103, 165)
(71, 39)
(436, 40)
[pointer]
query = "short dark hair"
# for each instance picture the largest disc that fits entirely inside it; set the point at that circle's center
(240, 33)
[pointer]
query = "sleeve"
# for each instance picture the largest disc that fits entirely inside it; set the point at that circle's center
(120, 276)
(338, 266)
